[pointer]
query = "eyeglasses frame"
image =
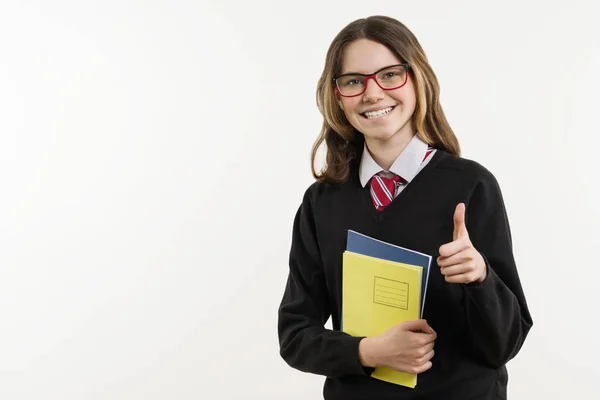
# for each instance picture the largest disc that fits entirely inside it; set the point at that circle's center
(374, 77)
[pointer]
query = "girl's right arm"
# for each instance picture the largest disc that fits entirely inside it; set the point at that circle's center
(305, 344)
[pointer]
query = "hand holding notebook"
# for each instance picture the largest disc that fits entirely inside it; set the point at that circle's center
(406, 347)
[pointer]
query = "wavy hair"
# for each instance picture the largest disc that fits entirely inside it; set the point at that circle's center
(343, 142)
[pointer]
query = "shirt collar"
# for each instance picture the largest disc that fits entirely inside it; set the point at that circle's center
(406, 165)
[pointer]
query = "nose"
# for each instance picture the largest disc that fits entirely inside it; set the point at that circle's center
(373, 92)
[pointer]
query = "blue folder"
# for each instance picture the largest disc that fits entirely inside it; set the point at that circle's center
(368, 246)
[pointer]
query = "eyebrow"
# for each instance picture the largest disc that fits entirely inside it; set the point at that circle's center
(360, 73)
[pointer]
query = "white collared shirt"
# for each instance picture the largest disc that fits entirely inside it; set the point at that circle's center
(408, 164)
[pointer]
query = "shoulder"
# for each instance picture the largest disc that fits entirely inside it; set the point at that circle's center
(317, 194)
(479, 188)
(326, 203)
(471, 171)
(316, 205)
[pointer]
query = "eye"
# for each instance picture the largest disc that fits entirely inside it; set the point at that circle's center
(390, 74)
(350, 82)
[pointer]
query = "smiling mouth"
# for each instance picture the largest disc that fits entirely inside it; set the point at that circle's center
(378, 113)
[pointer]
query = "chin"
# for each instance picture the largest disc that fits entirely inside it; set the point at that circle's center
(382, 135)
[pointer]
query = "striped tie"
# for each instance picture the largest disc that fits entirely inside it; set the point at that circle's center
(383, 190)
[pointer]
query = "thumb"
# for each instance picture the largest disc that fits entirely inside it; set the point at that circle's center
(418, 325)
(460, 229)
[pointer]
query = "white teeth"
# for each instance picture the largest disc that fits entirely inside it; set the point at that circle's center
(378, 113)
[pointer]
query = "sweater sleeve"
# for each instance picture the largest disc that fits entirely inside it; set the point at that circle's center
(496, 308)
(305, 344)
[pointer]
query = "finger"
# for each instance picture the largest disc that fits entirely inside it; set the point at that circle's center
(425, 339)
(428, 356)
(419, 325)
(421, 368)
(460, 229)
(454, 247)
(460, 278)
(455, 259)
(426, 348)
(457, 269)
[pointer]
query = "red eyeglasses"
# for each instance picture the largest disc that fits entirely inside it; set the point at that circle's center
(388, 78)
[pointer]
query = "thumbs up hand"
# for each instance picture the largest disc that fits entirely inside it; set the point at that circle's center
(459, 261)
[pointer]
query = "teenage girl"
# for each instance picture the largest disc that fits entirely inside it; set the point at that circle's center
(394, 172)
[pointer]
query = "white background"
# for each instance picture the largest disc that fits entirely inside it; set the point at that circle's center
(144, 217)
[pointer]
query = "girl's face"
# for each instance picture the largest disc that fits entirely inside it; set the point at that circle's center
(366, 57)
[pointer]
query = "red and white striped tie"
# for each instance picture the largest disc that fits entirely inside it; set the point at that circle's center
(383, 190)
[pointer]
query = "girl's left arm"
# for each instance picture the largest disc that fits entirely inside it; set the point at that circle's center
(497, 312)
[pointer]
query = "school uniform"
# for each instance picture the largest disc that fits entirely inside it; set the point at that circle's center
(479, 326)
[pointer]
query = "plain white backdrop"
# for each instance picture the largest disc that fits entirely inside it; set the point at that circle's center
(153, 154)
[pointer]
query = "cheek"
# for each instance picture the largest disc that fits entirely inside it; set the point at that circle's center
(408, 100)
(349, 106)
(410, 97)
(411, 103)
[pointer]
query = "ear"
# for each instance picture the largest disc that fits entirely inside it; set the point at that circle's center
(340, 104)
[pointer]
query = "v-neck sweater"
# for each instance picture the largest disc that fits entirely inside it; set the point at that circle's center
(480, 327)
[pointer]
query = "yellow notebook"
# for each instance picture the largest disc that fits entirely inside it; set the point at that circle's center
(376, 295)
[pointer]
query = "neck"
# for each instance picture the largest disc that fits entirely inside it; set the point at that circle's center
(385, 152)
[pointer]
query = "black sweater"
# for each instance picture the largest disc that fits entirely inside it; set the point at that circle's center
(479, 326)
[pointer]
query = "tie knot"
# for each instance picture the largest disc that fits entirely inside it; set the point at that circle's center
(383, 189)
(388, 177)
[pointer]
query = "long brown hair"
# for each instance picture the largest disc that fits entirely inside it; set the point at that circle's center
(343, 142)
